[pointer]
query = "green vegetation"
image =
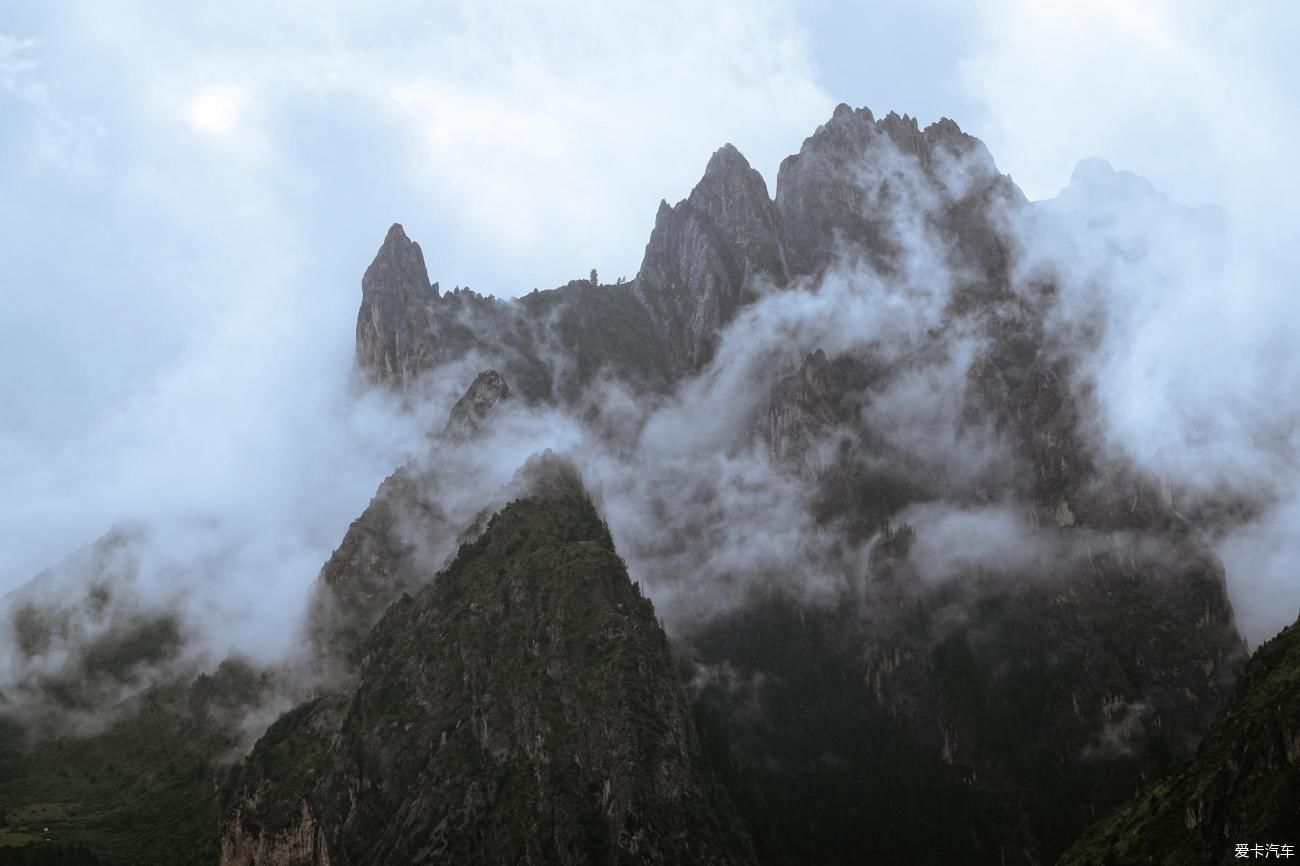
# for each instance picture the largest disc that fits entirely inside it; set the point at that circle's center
(142, 790)
(1242, 786)
(522, 706)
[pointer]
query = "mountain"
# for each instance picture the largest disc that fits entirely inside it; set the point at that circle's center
(707, 257)
(704, 257)
(1022, 690)
(522, 707)
(909, 605)
(1241, 788)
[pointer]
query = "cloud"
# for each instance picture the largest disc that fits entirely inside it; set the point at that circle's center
(963, 541)
(554, 133)
(150, 280)
(1195, 315)
(16, 61)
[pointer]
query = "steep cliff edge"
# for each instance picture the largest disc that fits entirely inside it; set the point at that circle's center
(394, 315)
(523, 707)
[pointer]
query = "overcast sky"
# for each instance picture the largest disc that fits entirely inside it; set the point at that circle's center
(190, 192)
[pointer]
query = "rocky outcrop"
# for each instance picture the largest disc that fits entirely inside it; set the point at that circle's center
(393, 322)
(857, 179)
(550, 344)
(402, 538)
(300, 844)
(523, 707)
(704, 256)
(470, 415)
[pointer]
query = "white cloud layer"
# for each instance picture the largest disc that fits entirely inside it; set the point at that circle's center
(1202, 352)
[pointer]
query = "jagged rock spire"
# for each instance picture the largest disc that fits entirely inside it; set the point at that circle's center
(703, 253)
(711, 254)
(392, 317)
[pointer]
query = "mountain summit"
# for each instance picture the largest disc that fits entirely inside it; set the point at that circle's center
(389, 325)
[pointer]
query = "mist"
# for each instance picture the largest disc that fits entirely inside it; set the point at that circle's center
(214, 416)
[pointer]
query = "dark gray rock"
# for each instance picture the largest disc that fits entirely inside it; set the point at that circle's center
(704, 256)
(470, 415)
(394, 315)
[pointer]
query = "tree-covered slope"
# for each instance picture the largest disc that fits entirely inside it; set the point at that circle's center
(1242, 787)
(521, 708)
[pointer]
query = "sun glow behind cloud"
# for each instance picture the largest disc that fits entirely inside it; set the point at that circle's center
(216, 109)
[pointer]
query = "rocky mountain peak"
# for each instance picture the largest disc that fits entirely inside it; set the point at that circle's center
(398, 268)
(704, 253)
(855, 176)
(726, 159)
(730, 191)
(393, 316)
(845, 112)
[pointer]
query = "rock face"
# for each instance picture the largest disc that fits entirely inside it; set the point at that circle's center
(394, 315)
(855, 176)
(470, 414)
(704, 256)
(807, 404)
(397, 543)
(522, 708)
(1242, 787)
